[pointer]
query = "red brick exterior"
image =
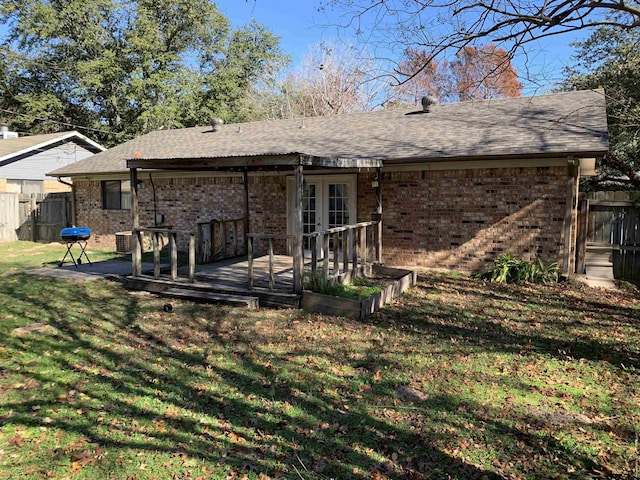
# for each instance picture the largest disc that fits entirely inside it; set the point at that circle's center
(456, 219)
(463, 219)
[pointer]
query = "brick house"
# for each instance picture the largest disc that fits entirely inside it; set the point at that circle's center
(457, 184)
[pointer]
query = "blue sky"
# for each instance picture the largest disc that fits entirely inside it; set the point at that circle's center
(300, 26)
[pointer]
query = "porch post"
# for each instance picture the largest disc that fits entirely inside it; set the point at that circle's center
(136, 248)
(379, 212)
(298, 255)
(573, 177)
(245, 179)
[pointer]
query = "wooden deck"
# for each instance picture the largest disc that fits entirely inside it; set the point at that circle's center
(227, 277)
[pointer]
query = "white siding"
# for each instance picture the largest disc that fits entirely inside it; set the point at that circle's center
(37, 165)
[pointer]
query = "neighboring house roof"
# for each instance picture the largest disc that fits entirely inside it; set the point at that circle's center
(559, 124)
(14, 149)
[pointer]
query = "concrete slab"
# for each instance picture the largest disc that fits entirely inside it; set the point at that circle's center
(597, 282)
(87, 272)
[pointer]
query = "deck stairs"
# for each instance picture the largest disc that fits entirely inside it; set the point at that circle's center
(211, 293)
(599, 265)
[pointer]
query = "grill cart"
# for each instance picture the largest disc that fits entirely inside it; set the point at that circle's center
(75, 236)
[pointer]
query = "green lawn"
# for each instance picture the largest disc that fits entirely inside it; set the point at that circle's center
(21, 255)
(458, 379)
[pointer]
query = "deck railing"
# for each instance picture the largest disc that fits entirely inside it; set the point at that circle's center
(347, 251)
(157, 236)
(252, 237)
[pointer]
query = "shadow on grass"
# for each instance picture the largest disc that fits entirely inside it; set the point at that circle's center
(210, 387)
(571, 326)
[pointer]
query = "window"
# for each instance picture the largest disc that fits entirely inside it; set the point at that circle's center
(116, 195)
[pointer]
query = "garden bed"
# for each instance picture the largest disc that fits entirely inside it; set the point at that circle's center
(394, 281)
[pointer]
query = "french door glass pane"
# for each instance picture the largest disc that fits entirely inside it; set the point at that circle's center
(309, 214)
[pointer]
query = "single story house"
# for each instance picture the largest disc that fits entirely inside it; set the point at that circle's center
(455, 184)
(25, 161)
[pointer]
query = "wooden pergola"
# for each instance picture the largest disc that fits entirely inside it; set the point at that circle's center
(295, 162)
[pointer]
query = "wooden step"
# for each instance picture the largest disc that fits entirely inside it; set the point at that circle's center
(266, 297)
(212, 297)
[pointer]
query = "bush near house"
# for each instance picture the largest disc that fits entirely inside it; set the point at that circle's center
(509, 269)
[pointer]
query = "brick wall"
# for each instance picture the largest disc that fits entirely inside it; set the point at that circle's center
(182, 201)
(463, 219)
(268, 210)
(459, 219)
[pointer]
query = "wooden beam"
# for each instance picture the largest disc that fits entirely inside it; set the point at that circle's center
(173, 248)
(192, 257)
(339, 162)
(136, 247)
(379, 214)
(250, 261)
(572, 179)
(298, 254)
(215, 163)
(245, 180)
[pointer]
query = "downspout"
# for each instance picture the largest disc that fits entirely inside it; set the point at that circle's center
(155, 203)
(73, 201)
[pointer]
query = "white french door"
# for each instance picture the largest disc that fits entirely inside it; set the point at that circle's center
(327, 202)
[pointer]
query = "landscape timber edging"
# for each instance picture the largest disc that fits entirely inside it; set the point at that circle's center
(363, 308)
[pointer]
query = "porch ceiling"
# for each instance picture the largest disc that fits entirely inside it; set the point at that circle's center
(262, 162)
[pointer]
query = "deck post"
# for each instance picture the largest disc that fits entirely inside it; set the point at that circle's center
(363, 247)
(156, 255)
(192, 257)
(353, 241)
(245, 179)
(298, 254)
(136, 247)
(174, 255)
(313, 243)
(378, 230)
(345, 250)
(325, 253)
(336, 257)
(573, 178)
(272, 278)
(250, 262)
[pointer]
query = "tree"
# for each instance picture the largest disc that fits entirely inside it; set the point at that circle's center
(439, 26)
(610, 58)
(484, 73)
(127, 67)
(331, 80)
(476, 73)
(424, 77)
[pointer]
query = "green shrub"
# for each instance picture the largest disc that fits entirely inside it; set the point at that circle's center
(361, 287)
(509, 269)
(316, 280)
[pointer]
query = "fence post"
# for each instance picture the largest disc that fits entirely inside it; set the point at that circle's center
(34, 221)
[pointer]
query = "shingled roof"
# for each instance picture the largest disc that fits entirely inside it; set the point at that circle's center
(15, 148)
(553, 125)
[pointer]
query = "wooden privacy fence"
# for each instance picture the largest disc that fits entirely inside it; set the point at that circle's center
(613, 219)
(221, 239)
(36, 217)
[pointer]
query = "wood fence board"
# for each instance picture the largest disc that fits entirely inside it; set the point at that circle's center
(35, 216)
